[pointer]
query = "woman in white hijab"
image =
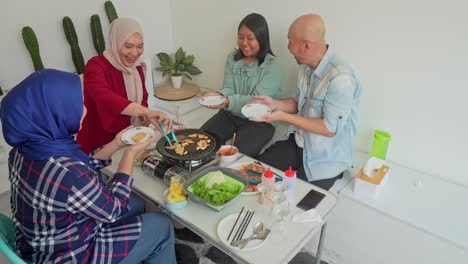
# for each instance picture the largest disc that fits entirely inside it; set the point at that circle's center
(114, 87)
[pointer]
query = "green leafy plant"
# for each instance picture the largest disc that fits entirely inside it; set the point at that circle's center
(96, 32)
(30, 41)
(110, 11)
(72, 39)
(181, 64)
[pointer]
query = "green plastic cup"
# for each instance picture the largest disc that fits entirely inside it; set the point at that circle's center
(380, 145)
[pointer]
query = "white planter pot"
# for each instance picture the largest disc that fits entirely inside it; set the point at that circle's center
(176, 81)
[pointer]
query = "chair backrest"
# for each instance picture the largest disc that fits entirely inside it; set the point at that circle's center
(8, 240)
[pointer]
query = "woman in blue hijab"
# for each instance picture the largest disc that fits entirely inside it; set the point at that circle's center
(55, 187)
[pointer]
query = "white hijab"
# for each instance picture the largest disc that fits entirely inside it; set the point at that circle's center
(120, 30)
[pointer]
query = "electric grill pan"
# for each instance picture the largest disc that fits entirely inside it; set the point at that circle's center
(193, 154)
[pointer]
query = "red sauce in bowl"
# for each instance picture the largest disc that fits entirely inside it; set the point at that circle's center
(228, 151)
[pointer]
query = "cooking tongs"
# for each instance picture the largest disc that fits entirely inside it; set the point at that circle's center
(163, 129)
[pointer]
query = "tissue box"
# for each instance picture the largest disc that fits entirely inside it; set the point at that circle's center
(369, 186)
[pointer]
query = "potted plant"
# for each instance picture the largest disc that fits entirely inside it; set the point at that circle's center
(181, 65)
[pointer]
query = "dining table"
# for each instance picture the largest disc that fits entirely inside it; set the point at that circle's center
(279, 247)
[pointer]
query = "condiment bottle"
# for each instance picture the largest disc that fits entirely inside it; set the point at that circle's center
(291, 181)
(268, 178)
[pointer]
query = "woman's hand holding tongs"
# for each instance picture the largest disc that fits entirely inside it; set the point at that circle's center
(157, 118)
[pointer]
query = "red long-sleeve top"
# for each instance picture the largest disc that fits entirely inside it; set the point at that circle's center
(105, 97)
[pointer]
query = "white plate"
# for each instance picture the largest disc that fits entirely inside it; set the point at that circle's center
(225, 226)
(255, 110)
(238, 166)
(212, 100)
(127, 136)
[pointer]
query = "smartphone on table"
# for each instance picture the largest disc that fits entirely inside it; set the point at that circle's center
(310, 200)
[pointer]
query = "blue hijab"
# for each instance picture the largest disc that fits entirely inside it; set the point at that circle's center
(41, 114)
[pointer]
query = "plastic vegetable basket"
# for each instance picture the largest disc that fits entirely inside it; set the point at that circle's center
(232, 177)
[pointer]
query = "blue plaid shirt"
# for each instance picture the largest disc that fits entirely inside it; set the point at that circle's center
(64, 213)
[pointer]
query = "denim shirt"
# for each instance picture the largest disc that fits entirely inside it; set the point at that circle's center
(330, 92)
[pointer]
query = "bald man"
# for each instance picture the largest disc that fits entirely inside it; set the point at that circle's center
(323, 116)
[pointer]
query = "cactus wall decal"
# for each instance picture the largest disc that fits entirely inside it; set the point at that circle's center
(96, 32)
(72, 39)
(110, 11)
(30, 41)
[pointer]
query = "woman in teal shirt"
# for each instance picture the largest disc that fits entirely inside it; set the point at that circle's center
(250, 70)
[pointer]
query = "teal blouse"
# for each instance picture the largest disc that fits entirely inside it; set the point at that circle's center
(241, 81)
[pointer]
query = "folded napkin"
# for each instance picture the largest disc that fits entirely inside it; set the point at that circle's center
(311, 215)
(372, 165)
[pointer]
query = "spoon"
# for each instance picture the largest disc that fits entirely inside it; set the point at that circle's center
(258, 230)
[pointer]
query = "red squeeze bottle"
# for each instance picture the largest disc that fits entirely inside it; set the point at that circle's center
(268, 178)
(291, 181)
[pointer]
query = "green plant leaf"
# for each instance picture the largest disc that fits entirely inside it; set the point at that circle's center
(180, 67)
(164, 63)
(193, 70)
(179, 56)
(164, 59)
(188, 76)
(189, 60)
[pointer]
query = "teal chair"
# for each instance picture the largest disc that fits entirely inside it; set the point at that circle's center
(8, 240)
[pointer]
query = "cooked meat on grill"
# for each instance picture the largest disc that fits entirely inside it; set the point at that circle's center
(180, 149)
(200, 142)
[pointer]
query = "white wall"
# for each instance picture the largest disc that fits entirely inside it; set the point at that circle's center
(45, 17)
(410, 56)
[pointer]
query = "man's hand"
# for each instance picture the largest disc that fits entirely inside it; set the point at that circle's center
(274, 116)
(265, 100)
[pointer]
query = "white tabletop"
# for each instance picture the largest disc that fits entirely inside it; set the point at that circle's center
(204, 221)
(428, 203)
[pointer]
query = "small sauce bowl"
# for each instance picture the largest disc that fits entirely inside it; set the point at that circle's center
(173, 205)
(227, 154)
